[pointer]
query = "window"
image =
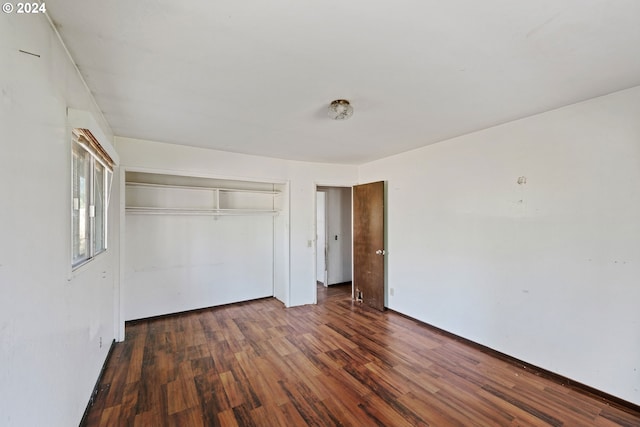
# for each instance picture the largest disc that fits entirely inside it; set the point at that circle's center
(91, 170)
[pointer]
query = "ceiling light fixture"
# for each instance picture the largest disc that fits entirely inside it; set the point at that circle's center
(340, 109)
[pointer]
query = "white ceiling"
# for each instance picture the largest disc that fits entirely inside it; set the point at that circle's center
(256, 76)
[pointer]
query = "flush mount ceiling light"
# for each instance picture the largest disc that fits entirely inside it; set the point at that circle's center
(340, 109)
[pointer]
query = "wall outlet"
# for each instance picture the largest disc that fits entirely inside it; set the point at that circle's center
(391, 291)
(100, 342)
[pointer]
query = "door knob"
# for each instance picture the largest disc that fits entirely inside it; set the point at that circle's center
(380, 252)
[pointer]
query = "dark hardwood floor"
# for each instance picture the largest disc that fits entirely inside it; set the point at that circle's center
(332, 364)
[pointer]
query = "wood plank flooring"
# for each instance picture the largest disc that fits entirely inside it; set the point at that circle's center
(332, 364)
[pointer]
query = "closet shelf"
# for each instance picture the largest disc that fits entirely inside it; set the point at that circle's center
(170, 198)
(139, 210)
(190, 187)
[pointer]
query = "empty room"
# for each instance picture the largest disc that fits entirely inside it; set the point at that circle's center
(341, 213)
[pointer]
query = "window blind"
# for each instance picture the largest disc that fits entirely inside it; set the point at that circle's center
(86, 138)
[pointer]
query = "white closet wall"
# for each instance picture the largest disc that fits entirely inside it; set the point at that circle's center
(195, 242)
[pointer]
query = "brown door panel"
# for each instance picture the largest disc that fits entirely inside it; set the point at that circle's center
(368, 243)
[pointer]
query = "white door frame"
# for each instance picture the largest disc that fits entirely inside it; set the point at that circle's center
(331, 185)
(321, 237)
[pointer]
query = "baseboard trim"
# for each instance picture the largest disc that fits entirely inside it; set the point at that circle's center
(94, 393)
(536, 370)
(194, 310)
(341, 283)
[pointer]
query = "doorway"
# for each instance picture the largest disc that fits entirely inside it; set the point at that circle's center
(333, 236)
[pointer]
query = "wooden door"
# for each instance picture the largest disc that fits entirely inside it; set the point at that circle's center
(368, 244)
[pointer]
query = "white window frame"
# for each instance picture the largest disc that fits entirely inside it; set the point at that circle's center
(84, 143)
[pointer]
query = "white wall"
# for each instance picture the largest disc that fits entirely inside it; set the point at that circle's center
(300, 177)
(545, 271)
(51, 319)
(176, 263)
